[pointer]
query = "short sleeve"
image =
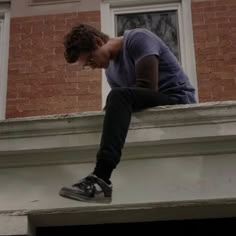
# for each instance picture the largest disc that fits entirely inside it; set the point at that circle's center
(141, 44)
(110, 81)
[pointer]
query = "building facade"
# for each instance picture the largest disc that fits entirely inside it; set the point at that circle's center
(51, 116)
(41, 83)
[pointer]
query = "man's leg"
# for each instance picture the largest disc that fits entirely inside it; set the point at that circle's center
(121, 102)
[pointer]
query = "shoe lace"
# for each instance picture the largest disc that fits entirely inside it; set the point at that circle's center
(86, 184)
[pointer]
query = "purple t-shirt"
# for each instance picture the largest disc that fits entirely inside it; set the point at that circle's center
(139, 43)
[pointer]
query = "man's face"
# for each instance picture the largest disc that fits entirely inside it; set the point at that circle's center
(98, 58)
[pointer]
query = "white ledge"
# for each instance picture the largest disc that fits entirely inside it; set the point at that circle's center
(198, 181)
(161, 132)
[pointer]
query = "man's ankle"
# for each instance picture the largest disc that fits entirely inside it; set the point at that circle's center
(104, 178)
(103, 170)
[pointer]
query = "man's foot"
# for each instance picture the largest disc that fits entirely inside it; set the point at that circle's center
(89, 189)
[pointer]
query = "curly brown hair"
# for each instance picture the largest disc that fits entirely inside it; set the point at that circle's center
(81, 38)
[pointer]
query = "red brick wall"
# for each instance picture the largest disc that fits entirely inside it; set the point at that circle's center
(214, 26)
(40, 82)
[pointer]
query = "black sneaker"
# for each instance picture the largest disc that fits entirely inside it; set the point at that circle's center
(89, 189)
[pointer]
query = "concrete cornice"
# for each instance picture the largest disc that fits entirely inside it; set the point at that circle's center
(204, 113)
(164, 131)
(179, 163)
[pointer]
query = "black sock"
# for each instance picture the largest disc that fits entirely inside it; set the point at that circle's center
(103, 170)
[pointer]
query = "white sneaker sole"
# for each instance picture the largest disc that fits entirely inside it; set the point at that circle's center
(68, 193)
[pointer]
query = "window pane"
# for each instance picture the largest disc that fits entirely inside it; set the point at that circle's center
(162, 23)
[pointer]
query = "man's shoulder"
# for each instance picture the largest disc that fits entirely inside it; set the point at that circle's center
(141, 35)
(138, 31)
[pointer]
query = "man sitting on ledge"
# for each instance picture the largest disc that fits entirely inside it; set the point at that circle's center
(143, 73)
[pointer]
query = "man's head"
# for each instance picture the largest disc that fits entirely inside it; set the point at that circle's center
(81, 43)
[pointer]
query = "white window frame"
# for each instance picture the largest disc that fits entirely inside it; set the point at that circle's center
(4, 54)
(110, 8)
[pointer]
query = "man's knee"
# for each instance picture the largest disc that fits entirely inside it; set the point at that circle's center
(118, 93)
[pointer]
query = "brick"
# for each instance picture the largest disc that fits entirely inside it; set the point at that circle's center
(215, 9)
(205, 27)
(224, 25)
(198, 18)
(232, 20)
(219, 20)
(202, 4)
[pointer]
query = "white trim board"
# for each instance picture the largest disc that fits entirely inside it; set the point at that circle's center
(4, 54)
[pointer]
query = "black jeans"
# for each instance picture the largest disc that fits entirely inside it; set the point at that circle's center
(120, 104)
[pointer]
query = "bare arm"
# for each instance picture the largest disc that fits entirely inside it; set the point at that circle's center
(147, 72)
